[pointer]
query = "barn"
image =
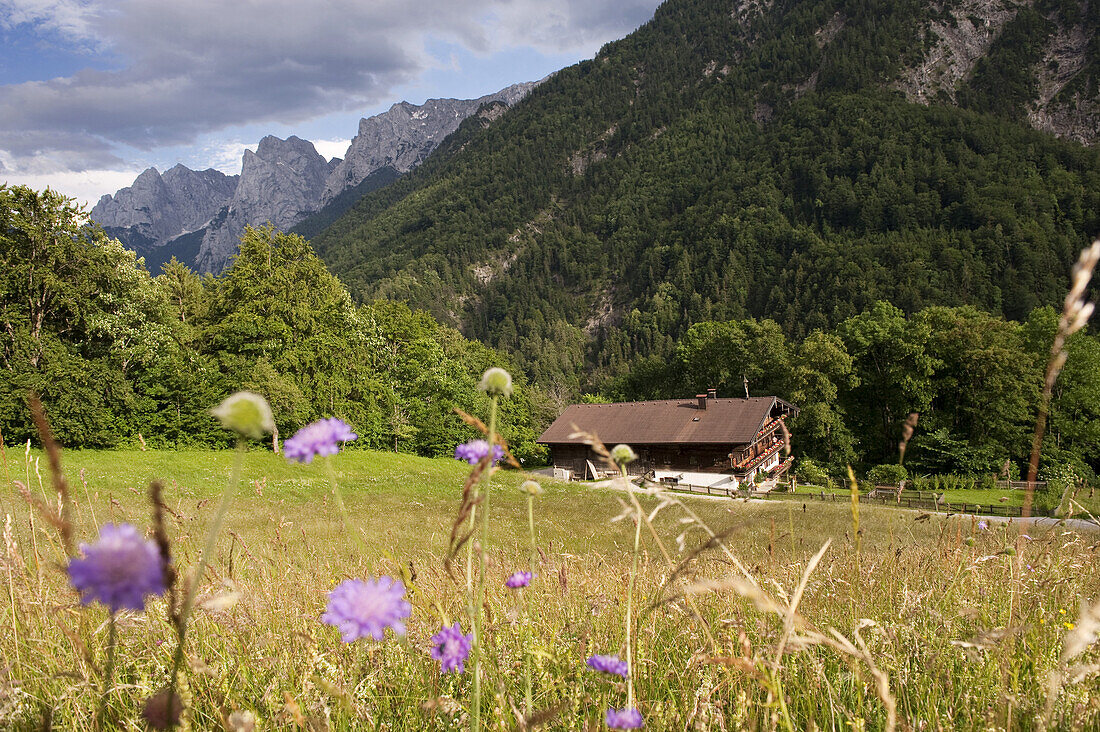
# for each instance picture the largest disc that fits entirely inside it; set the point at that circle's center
(702, 441)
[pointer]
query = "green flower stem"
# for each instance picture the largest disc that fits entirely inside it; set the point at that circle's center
(529, 706)
(109, 672)
(630, 596)
(470, 546)
(475, 716)
(200, 568)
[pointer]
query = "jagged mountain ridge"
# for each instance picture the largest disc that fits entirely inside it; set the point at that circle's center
(750, 158)
(282, 182)
(406, 134)
(159, 207)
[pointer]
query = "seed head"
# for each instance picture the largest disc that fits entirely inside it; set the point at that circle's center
(623, 454)
(531, 488)
(246, 413)
(496, 382)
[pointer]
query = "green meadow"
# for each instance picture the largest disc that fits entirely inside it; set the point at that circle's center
(924, 624)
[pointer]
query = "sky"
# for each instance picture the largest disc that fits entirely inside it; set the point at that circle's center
(92, 92)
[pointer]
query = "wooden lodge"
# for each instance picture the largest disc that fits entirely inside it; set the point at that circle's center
(701, 441)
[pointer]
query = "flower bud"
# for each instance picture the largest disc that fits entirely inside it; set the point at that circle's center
(496, 382)
(531, 488)
(246, 413)
(623, 454)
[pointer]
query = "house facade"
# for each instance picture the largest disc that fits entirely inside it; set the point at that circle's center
(705, 441)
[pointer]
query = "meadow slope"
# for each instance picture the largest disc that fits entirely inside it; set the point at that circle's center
(925, 605)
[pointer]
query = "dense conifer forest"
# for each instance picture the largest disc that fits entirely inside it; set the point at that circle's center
(716, 166)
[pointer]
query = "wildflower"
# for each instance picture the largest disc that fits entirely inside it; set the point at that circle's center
(475, 450)
(983, 525)
(623, 454)
(452, 648)
(365, 608)
(517, 580)
(246, 413)
(1069, 626)
(628, 718)
(496, 382)
(317, 438)
(531, 488)
(608, 665)
(119, 570)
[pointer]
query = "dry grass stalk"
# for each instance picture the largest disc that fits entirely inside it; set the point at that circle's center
(1075, 314)
(160, 536)
(854, 487)
(907, 434)
(1085, 632)
(57, 475)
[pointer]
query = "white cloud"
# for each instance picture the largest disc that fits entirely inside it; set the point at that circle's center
(330, 149)
(193, 68)
(85, 186)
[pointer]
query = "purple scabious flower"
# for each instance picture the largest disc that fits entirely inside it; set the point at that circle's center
(452, 648)
(983, 525)
(119, 570)
(365, 608)
(318, 438)
(608, 665)
(517, 580)
(628, 718)
(475, 451)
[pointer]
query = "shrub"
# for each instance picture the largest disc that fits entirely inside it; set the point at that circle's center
(812, 472)
(889, 474)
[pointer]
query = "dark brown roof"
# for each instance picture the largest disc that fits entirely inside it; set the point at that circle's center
(666, 422)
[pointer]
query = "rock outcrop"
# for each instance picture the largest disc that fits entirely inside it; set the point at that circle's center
(406, 134)
(280, 183)
(161, 207)
(1066, 105)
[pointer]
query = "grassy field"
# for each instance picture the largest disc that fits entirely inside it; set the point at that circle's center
(953, 626)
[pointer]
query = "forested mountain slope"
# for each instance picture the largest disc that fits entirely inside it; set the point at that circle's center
(797, 160)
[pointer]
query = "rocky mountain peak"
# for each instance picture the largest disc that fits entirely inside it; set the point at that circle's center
(280, 183)
(160, 207)
(403, 136)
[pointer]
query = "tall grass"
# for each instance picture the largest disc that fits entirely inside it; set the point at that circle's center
(917, 616)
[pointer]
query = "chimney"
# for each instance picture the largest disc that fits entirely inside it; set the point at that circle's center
(712, 393)
(702, 398)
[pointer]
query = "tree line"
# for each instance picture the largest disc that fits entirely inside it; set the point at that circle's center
(116, 353)
(973, 379)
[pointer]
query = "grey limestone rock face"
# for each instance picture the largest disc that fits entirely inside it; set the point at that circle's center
(280, 183)
(160, 207)
(406, 134)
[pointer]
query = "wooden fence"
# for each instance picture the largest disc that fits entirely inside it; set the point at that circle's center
(926, 502)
